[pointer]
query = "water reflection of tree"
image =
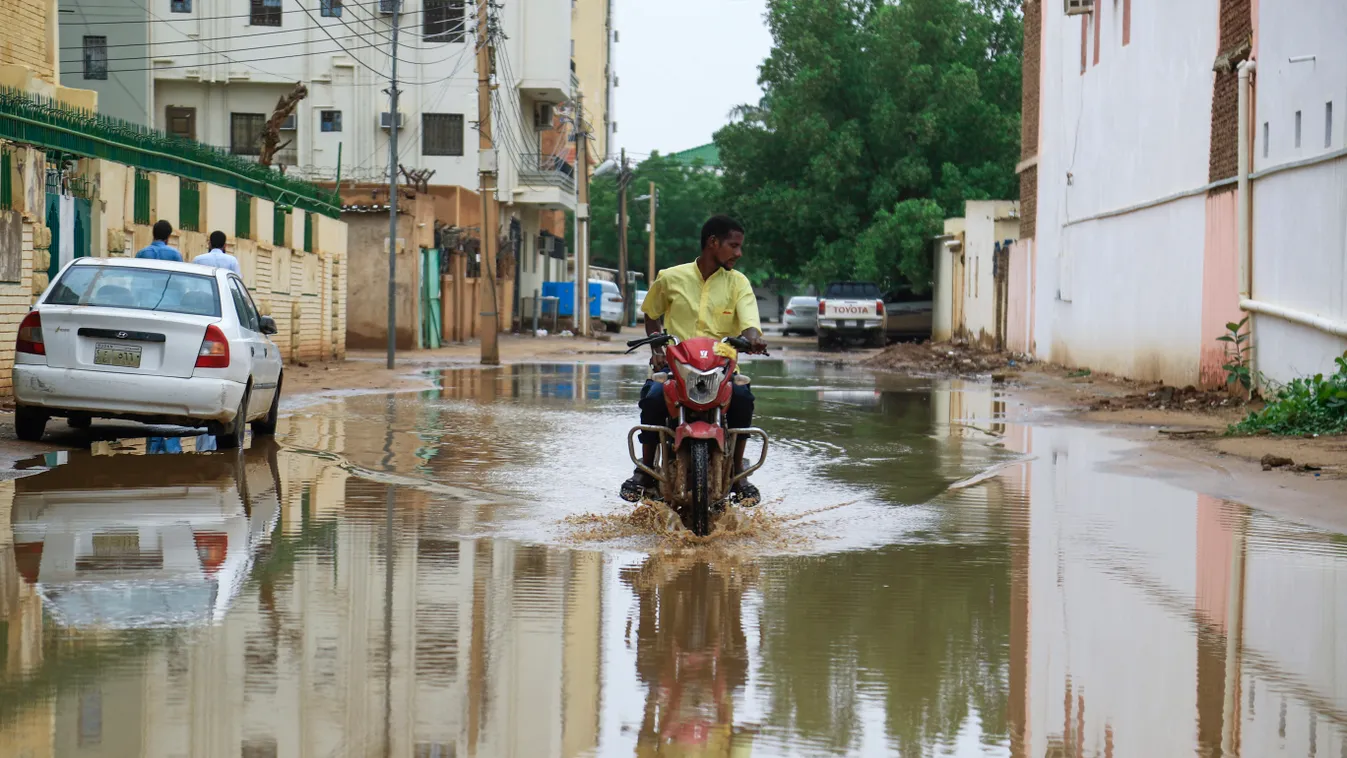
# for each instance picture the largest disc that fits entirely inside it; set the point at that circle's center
(691, 653)
(934, 643)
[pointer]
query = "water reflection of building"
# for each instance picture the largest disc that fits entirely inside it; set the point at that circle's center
(473, 652)
(1154, 621)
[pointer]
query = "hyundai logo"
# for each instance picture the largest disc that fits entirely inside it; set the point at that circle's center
(122, 335)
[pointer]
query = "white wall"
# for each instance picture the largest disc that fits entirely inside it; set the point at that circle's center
(1300, 229)
(1124, 294)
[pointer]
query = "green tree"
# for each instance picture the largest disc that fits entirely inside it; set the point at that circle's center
(879, 119)
(688, 195)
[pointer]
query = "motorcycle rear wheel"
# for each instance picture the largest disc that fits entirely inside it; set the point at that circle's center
(700, 487)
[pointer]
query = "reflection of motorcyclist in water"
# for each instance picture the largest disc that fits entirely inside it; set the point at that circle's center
(691, 655)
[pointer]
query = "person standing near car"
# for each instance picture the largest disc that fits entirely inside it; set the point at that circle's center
(159, 249)
(217, 256)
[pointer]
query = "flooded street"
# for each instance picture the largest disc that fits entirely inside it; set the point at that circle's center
(450, 573)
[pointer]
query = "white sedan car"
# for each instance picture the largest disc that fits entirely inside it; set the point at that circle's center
(147, 340)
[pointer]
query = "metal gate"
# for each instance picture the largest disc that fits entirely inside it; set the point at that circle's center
(69, 218)
(430, 298)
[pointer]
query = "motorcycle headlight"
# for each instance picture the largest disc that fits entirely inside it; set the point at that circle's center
(702, 388)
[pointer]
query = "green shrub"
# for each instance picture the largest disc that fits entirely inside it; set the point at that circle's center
(1309, 405)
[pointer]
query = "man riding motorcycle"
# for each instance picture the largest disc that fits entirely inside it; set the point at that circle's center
(704, 298)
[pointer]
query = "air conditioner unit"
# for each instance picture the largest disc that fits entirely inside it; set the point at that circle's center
(386, 121)
(387, 7)
(291, 123)
(542, 116)
(1079, 7)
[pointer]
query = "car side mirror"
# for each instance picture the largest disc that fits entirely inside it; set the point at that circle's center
(267, 324)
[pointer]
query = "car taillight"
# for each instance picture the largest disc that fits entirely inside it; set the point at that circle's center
(821, 305)
(790, 311)
(214, 352)
(30, 335)
(879, 307)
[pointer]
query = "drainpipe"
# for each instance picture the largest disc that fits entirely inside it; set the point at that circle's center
(1246, 70)
(1245, 210)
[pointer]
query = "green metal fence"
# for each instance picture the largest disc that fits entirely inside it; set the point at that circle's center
(6, 181)
(308, 232)
(142, 195)
(243, 216)
(45, 123)
(189, 205)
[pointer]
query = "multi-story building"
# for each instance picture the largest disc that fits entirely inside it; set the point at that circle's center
(1133, 208)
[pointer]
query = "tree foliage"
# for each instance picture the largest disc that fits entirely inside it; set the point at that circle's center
(688, 195)
(878, 120)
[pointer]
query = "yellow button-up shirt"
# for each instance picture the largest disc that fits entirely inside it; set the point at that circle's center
(721, 306)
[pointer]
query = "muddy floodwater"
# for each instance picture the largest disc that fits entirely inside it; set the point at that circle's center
(936, 571)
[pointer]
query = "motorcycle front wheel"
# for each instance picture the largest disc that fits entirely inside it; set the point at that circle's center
(700, 486)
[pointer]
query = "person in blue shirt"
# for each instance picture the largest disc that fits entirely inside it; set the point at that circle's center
(159, 249)
(217, 256)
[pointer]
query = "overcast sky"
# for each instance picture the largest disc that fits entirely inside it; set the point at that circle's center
(681, 66)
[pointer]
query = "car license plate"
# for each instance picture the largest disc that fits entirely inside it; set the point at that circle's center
(110, 354)
(110, 545)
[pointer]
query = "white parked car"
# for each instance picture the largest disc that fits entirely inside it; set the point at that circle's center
(610, 304)
(147, 340)
(640, 301)
(801, 316)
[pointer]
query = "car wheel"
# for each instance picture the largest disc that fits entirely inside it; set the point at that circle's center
(613, 327)
(823, 343)
(877, 339)
(29, 423)
(267, 427)
(79, 421)
(234, 435)
(785, 332)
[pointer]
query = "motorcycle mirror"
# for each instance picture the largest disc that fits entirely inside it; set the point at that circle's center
(742, 380)
(660, 376)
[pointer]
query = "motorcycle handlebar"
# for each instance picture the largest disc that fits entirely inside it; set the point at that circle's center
(738, 343)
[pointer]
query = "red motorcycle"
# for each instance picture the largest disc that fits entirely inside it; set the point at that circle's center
(695, 463)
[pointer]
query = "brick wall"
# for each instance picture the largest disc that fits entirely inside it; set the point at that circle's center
(1236, 30)
(24, 37)
(1033, 41)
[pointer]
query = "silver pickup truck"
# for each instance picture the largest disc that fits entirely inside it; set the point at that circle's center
(851, 310)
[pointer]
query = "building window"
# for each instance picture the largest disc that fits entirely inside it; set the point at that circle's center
(264, 12)
(181, 121)
(331, 121)
(95, 57)
(245, 133)
(444, 21)
(442, 134)
(180, 6)
(330, 8)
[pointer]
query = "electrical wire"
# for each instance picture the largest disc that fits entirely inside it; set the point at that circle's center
(235, 37)
(191, 17)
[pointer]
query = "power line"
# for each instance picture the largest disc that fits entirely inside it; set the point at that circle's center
(192, 17)
(211, 51)
(232, 37)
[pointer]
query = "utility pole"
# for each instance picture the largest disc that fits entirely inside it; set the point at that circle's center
(622, 180)
(393, 193)
(582, 221)
(651, 279)
(490, 313)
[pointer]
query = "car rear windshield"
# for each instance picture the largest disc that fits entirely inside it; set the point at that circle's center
(852, 291)
(140, 288)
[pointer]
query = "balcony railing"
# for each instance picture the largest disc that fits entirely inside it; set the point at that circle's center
(46, 123)
(536, 169)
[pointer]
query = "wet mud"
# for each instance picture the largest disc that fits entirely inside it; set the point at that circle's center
(451, 572)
